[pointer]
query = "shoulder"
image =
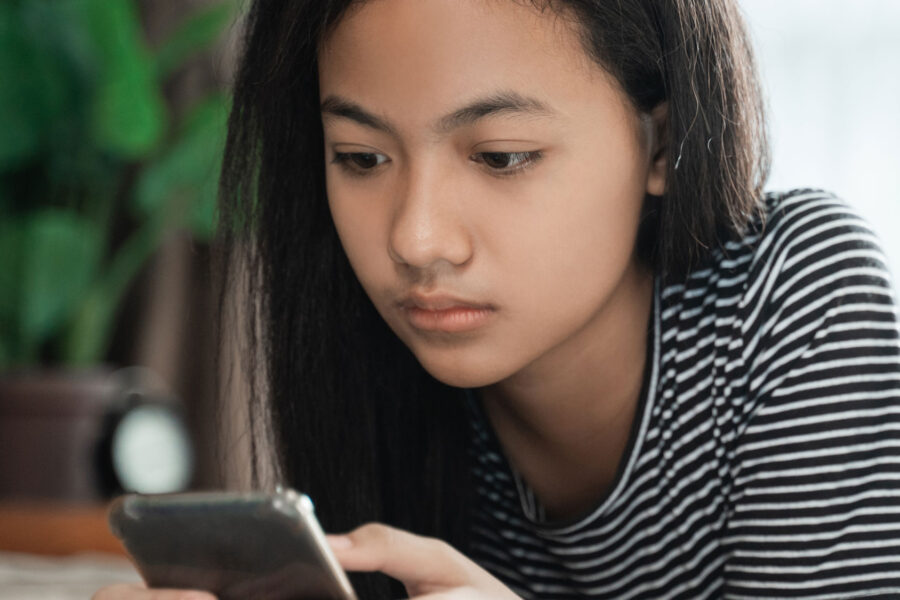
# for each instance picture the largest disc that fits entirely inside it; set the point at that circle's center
(801, 227)
(817, 291)
(801, 242)
(809, 244)
(817, 445)
(805, 282)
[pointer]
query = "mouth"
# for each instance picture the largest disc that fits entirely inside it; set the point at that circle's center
(442, 312)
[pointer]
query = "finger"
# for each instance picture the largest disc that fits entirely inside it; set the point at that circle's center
(139, 591)
(413, 559)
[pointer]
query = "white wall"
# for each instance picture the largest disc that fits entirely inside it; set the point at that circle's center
(831, 69)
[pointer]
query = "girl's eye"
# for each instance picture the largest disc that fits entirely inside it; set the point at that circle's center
(507, 163)
(500, 163)
(359, 163)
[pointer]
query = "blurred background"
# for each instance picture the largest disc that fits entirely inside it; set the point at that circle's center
(832, 75)
(112, 121)
(112, 115)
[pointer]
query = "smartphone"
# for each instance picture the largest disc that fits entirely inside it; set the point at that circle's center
(236, 545)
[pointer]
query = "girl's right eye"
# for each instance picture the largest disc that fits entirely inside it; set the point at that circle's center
(359, 163)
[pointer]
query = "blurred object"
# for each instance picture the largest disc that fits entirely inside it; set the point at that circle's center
(24, 577)
(89, 145)
(147, 443)
(84, 436)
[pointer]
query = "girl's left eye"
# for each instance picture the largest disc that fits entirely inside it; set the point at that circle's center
(359, 163)
(507, 163)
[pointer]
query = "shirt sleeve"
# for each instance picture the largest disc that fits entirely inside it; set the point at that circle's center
(814, 507)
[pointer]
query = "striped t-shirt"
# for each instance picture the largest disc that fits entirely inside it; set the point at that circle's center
(764, 459)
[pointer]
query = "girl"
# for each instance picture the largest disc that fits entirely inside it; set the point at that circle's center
(520, 305)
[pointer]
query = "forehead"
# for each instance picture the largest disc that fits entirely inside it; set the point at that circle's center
(437, 21)
(419, 58)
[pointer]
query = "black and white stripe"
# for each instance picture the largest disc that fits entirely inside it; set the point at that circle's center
(764, 460)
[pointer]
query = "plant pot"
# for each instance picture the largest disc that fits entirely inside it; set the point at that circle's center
(51, 422)
(58, 428)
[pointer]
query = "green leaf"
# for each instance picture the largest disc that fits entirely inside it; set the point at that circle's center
(19, 120)
(91, 328)
(33, 91)
(90, 333)
(60, 257)
(128, 113)
(184, 180)
(194, 34)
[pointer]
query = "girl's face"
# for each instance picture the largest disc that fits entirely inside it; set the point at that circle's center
(474, 150)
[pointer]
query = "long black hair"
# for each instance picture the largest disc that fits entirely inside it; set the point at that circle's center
(353, 418)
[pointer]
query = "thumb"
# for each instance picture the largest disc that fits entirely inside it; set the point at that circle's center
(423, 564)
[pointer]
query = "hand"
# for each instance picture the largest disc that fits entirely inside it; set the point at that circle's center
(429, 568)
(139, 591)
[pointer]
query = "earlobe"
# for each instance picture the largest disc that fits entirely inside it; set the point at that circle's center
(659, 150)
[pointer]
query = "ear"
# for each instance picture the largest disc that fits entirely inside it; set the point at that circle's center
(659, 149)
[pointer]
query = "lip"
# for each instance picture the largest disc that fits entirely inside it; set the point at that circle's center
(442, 312)
(439, 302)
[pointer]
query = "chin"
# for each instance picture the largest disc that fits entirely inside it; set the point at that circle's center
(461, 374)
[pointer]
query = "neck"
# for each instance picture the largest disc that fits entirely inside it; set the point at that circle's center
(571, 411)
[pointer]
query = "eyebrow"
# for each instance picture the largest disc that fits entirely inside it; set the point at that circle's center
(502, 102)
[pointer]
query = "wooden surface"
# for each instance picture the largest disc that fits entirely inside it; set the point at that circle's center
(55, 529)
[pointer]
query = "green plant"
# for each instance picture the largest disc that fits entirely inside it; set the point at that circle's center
(89, 142)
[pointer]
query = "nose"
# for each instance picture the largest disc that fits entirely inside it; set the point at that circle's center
(428, 225)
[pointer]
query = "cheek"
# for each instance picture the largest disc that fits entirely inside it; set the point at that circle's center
(582, 222)
(564, 260)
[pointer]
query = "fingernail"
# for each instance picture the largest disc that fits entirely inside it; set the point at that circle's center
(339, 542)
